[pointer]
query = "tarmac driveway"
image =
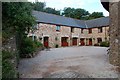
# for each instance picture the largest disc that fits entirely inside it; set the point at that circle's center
(69, 62)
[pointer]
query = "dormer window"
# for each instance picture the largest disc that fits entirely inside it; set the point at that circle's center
(57, 28)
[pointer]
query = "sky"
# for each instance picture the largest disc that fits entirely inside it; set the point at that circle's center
(89, 5)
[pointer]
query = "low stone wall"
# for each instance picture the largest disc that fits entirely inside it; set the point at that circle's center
(10, 46)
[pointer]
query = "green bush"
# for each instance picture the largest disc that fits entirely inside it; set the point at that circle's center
(8, 70)
(104, 44)
(29, 46)
(96, 44)
(38, 44)
(7, 55)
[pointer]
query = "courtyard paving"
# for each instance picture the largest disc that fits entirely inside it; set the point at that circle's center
(69, 62)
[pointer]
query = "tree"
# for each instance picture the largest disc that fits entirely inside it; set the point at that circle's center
(18, 17)
(38, 6)
(80, 13)
(75, 13)
(51, 10)
(96, 15)
(16, 20)
(68, 12)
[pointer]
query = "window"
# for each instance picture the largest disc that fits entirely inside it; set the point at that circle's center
(100, 30)
(99, 40)
(72, 29)
(90, 30)
(57, 28)
(82, 30)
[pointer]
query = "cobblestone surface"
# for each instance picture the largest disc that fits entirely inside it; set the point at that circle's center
(69, 62)
(66, 74)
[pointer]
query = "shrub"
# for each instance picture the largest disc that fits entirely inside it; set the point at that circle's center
(96, 44)
(38, 44)
(29, 46)
(104, 44)
(8, 70)
(56, 46)
(7, 55)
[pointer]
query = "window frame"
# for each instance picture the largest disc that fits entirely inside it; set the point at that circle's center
(82, 31)
(72, 29)
(99, 40)
(90, 30)
(58, 28)
(100, 30)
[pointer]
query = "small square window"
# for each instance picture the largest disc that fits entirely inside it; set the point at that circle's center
(57, 28)
(72, 29)
(99, 40)
(90, 30)
(100, 30)
(82, 30)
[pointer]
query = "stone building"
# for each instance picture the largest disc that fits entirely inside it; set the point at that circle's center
(53, 30)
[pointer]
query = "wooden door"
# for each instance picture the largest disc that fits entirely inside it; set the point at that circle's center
(82, 42)
(46, 41)
(64, 41)
(74, 41)
(90, 42)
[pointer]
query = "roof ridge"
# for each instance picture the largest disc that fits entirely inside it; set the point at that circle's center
(62, 20)
(57, 15)
(97, 18)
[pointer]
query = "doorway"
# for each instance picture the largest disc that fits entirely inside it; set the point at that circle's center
(74, 41)
(82, 41)
(90, 42)
(64, 41)
(46, 41)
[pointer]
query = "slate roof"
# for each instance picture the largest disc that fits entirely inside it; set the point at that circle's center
(43, 17)
(104, 21)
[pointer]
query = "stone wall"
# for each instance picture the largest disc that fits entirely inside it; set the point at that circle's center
(119, 37)
(94, 35)
(10, 46)
(49, 30)
(114, 33)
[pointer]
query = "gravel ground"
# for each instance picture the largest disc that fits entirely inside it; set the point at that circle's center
(69, 62)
